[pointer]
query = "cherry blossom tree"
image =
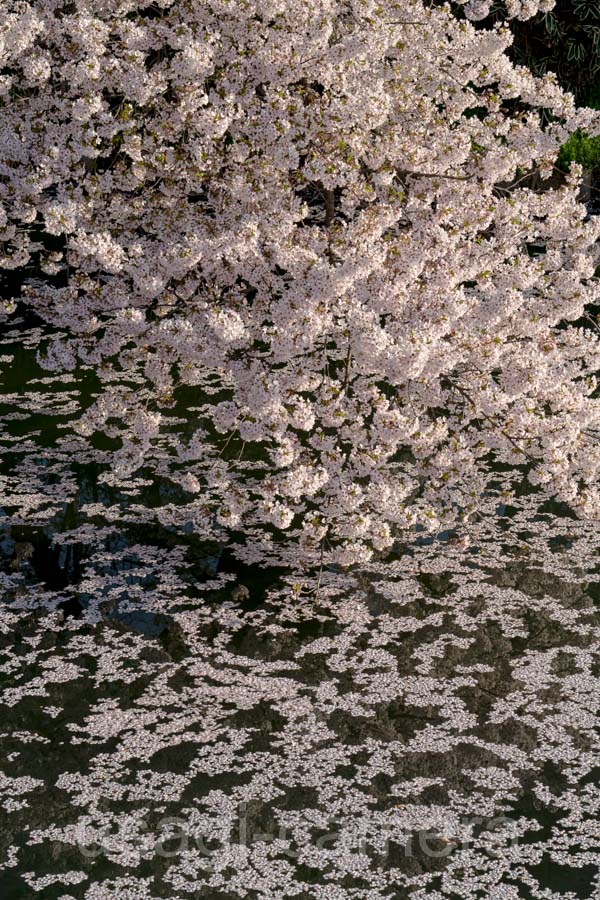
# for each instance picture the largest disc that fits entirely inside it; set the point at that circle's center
(303, 224)
(292, 289)
(561, 37)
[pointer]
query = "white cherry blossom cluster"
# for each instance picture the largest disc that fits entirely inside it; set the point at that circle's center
(310, 221)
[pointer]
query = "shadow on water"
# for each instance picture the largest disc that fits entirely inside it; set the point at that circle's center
(434, 684)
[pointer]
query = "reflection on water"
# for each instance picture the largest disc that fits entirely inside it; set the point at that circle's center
(425, 727)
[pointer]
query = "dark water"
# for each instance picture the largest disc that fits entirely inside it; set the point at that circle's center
(424, 727)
